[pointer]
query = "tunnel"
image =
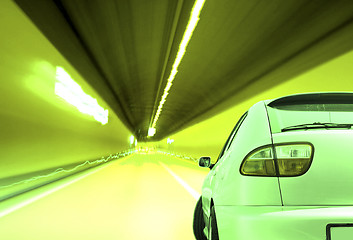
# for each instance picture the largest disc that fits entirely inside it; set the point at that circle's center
(106, 106)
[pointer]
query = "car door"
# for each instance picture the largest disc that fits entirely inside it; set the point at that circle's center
(215, 175)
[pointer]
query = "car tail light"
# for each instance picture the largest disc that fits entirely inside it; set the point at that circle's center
(283, 160)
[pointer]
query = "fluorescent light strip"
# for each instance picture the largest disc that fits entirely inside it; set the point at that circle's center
(70, 91)
(151, 131)
(194, 18)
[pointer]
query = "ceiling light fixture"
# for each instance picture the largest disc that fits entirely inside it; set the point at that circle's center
(194, 18)
(151, 132)
(71, 92)
(132, 139)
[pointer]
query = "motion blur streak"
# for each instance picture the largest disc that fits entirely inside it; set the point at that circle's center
(60, 170)
(70, 91)
(132, 198)
(43, 194)
(194, 18)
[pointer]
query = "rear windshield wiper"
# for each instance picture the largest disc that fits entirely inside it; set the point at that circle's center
(317, 125)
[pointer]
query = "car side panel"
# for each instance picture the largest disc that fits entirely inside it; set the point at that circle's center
(279, 223)
(329, 179)
(232, 188)
(225, 185)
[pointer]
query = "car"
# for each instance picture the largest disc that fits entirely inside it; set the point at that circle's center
(284, 173)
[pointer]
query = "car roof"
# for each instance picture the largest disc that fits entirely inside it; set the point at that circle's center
(312, 98)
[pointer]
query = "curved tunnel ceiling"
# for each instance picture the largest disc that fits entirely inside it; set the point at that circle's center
(125, 49)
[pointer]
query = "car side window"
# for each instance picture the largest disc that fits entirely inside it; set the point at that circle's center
(232, 135)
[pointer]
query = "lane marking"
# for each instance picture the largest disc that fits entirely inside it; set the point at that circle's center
(16, 206)
(193, 193)
(39, 196)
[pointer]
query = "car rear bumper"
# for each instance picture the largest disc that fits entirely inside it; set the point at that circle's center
(278, 223)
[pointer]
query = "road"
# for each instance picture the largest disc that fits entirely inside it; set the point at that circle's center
(142, 196)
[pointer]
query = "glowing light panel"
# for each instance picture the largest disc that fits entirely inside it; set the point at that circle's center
(151, 132)
(71, 92)
(194, 18)
(132, 139)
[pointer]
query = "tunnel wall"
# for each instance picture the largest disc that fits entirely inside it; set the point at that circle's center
(40, 130)
(208, 137)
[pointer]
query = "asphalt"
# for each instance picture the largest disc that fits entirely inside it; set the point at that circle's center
(142, 196)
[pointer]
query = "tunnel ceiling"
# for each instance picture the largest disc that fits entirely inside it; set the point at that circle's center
(125, 50)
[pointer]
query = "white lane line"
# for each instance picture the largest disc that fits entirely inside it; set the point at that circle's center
(39, 196)
(193, 193)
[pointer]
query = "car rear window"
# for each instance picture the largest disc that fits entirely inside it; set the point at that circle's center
(282, 116)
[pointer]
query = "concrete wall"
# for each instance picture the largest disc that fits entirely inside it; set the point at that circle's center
(38, 129)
